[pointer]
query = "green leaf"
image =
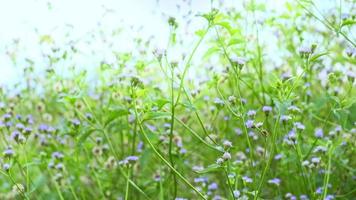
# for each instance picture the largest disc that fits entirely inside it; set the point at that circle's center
(200, 32)
(227, 26)
(210, 168)
(82, 138)
(210, 52)
(348, 22)
(234, 41)
(315, 57)
(155, 115)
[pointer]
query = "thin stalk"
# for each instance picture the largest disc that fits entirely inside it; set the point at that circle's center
(163, 159)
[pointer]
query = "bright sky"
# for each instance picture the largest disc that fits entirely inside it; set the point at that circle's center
(27, 20)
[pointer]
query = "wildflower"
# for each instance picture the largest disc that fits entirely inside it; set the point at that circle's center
(305, 163)
(97, 151)
(249, 123)
(18, 137)
(213, 186)
(351, 76)
(159, 53)
(129, 160)
(243, 101)
(20, 126)
(299, 125)
(320, 149)
(278, 156)
(304, 51)
(219, 161)
(6, 167)
(238, 62)
(351, 51)
(316, 160)
(201, 180)
(258, 124)
(227, 144)
(57, 155)
(60, 167)
(6, 117)
(267, 109)
(75, 122)
(226, 156)
(290, 196)
(236, 193)
(285, 118)
(139, 146)
(42, 128)
(275, 181)
(98, 140)
(238, 131)
(319, 133)
(247, 179)
(8, 153)
(251, 113)
(232, 99)
(27, 131)
(89, 116)
(219, 103)
(329, 197)
(303, 197)
(294, 109)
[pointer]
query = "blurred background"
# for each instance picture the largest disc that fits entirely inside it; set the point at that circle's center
(32, 29)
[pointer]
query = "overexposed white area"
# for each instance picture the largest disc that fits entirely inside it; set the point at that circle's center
(90, 24)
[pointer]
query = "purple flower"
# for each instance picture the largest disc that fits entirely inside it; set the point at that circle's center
(15, 135)
(201, 180)
(75, 122)
(57, 155)
(6, 117)
(278, 156)
(20, 126)
(267, 109)
(43, 127)
(238, 131)
(319, 133)
(251, 113)
(275, 181)
(213, 186)
(139, 146)
(315, 160)
(8, 152)
(129, 160)
(285, 118)
(236, 193)
(6, 167)
(247, 179)
(329, 197)
(249, 123)
(299, 125)
(226, 156)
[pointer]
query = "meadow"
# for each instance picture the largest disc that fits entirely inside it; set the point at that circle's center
(252, 105)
